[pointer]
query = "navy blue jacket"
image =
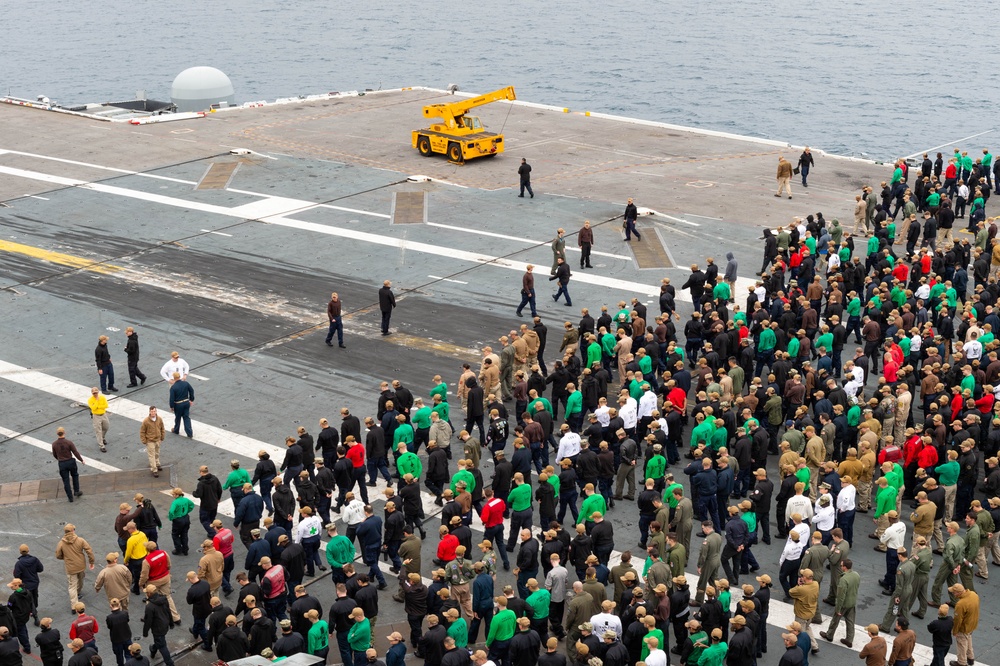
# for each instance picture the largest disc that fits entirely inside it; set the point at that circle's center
(724, 479)
(369, 533)
(482, 593)
(27, 569)
(180, 391)
(250, 510)
(706, 481)
(737, 533)
(258, 549)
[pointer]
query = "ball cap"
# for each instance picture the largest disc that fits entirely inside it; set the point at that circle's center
(739, 620)
(764, 579)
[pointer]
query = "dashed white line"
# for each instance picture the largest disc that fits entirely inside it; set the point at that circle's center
(444, 279)
(217, 233)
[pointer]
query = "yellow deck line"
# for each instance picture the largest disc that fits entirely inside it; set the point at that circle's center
(58, 258)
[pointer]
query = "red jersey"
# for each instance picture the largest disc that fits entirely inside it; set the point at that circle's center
(159, 564)
(492, 513)
(446, 547)
(356, 454)
(901, 271)
(951, 171)
(985, 404)
(910, 450)
(927, 457)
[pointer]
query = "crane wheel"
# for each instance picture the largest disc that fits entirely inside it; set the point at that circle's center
(454, 152)
(424, 146)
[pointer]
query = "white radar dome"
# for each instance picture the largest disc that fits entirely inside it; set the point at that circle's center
(198, 88)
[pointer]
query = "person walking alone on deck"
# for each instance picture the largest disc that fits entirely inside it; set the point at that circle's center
(333, 313)
(132, 354)
(784, 177)
(631, 212)
(805, 163)
(527, 291)
(105, 369)
(524, 171)
(562, 275)
(386, 303)
(585, 239)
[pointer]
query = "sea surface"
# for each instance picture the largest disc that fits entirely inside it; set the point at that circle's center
(860, 78)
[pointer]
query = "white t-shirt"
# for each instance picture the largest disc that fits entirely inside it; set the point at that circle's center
(656, 657)
(172, 366)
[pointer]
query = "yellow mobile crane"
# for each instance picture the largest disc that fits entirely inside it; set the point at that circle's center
(460, 137)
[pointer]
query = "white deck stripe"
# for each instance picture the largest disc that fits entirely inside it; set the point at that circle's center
(519, 239)
(47, 446)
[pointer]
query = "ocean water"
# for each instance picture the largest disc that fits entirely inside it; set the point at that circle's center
(851, 77)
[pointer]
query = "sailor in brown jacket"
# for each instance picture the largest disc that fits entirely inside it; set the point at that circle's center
(151, 434)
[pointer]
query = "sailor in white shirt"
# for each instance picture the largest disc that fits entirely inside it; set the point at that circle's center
(794, 546)
(847, 497)
(895, 534)
(603, 412)
(309, 527)
(628, 409)
(647, 403)
(606, 620)
(569, 444)
(916, 342)
(799, 504)
(973, 349)
(825, 517)
(175, 364)
(352, 513)
(656, 656)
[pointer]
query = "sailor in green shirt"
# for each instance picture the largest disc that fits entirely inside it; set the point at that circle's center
(702, 433)
(554, 482)
(885, 499)
(987, 161)
(719, 436)
(844, 253)
(360, 636)
(608, 342)
(440, 389)
(235, 480)
(933, 199)
(652, 633)
(502, 625)
(721, 291)
(947, 473)
(181, 506)
(441, 408)
(635, 388)
(458, 629)
(624, 317)
(766, 341)
(897, 175)
(339, 550)
(420, 415)
(574, 408)
(668, 495)
(545, 402)
(519, 497)
(181, 522)
(539, 600)
(593, 502)
(872, 246)
(319, 635)
(714, 654)
(802, 474)
(407, 462)
(403, 433)
(825, 339)
(656, 466)
(593, 353)
(793, 348)
(462, 475)
(699, 639)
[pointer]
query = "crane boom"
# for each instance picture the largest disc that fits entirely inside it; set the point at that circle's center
(451, 113)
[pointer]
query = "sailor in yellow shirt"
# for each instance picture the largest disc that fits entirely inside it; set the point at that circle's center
(135, 553)
(98, 407)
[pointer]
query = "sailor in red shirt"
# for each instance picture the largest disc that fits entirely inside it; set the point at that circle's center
(223, 542)
(273, 587)
(156, 572)
(446, 547)
(927, 457)
(492, 517)
(356, 454)
(84, 626)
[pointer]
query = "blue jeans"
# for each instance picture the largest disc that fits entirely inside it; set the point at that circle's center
(182, 412)
(275, 608)
(69, 470)
(311, 548)
(179, 533)
(526, 185)
(500, 653)
(227, 571)
(160, 645)
(804, 172)
(265, 492)
(374, 573)
(563, 291)
(644, 522)
(845, 521)
(630, 229)
(199, 631)
(392, 550)
(107, 377)
(527, 298)
(522, 582)
(381, 466)
(338, 326)
(519, 520)
(292, 473)
(205, 518)
(568, 500)
(940, 654)
(120, 650)
(345, 648)
(385, 321)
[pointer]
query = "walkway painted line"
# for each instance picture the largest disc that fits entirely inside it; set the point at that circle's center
(217, 233)
(435, 277)
(943, 145)
(675, 219)
(34, 196)
(348, 210)
(137, 411)
(204, 379)
(646, 173)
(47, 446)
(521, 239)
(704, 217)
(360, 236)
